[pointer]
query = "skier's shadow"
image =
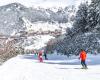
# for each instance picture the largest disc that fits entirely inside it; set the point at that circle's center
(65, 68)
(60, 63)
(71, 68)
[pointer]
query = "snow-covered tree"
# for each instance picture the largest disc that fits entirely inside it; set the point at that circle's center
(81, 18)
(93, 14)
(84, 34)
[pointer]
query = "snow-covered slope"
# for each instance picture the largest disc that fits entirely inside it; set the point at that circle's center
(39, 42)
(27, 67)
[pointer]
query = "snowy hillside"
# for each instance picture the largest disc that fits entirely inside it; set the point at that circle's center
(22, 22)
(39, 42)
(27, 67)
(12, 12)
(16, 17)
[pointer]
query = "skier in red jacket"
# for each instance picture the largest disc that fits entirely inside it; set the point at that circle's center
(83, 56)
(40, 56)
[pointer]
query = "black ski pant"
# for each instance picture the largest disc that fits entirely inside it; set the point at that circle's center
(83, 64)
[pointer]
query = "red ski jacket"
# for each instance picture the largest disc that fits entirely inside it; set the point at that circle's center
(83, 55)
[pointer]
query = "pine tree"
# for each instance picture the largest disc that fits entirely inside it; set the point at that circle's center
(81, 18)
(93, 14)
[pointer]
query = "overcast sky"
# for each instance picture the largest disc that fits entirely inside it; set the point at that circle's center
(43, 3)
